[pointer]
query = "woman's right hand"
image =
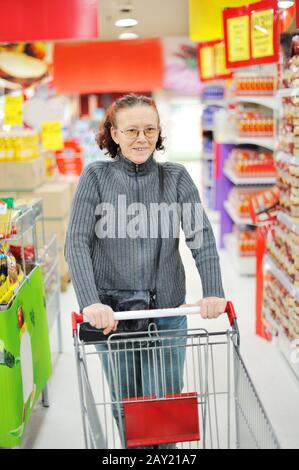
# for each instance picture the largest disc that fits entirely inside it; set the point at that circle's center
(101, 316)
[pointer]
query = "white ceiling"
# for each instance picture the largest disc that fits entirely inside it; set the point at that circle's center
(156, 18)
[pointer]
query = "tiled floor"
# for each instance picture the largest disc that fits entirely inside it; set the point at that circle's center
(59, 426)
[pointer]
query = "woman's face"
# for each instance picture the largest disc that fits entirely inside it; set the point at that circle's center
(143, 118)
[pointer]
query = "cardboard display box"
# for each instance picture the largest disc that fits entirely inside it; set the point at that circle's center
(56, 199)
(71, 180)
(22, 175)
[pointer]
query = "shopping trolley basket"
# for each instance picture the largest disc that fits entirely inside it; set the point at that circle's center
(168, 388)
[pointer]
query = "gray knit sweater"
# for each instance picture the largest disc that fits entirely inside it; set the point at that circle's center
(125, 263)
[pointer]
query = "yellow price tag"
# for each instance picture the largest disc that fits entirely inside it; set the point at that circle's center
(262, 33)
(13, 110)
(207, 62)
(52, 135)
(238, 38)
(220, 63)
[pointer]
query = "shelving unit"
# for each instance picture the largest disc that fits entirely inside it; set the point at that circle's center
(30, 305)
(247, 181)
(210, 107)
(270, 265)
(234, 216)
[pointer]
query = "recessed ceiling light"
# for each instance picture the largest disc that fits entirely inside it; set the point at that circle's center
(285, 3)
(128, 36)
(126, 22)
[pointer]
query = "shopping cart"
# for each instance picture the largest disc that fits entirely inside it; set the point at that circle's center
(168, 389)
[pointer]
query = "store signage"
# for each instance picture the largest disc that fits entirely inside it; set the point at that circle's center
(109, 66)
(251, 34)
(35, 20)
(51, 135)
(13, 110)
(297, 14)
(211, 60)
(205, 18)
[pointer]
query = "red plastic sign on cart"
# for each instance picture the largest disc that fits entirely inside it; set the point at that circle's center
(211, 60)
(251, 34)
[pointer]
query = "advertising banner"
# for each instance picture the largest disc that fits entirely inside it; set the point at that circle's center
(25, 363)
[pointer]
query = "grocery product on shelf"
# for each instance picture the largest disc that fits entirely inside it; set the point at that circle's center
(281, 310)
(213, 92)
(239, 198)
(254, 85)
(246, 240)
(290, 73)
(19, 145)
(254, 123)
(246, 162)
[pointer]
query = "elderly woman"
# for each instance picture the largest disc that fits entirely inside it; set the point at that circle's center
(116, 268)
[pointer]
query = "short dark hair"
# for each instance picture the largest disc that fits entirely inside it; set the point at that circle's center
(104, 139)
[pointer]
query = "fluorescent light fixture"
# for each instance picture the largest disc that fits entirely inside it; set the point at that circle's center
(126, 22)
(285, 3)
(128, 36)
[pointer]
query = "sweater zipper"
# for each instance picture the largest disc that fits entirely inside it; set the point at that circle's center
(141, 239)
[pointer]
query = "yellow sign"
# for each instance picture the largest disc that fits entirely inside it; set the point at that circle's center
(220, 64)
(52, 135)
(13, 110)
(238, 38)
(262, 33)
(205, 18)
(207, 62)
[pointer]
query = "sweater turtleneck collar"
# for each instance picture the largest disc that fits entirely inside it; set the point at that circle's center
(132, 168)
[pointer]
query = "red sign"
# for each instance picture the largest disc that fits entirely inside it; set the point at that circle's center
(251, 34)
(33, 20)
(211, 60)
(106, 67)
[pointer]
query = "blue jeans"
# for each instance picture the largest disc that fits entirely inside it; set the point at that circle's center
(155, 369)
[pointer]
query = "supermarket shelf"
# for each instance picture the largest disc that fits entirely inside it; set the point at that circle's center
(272, 325)
(267, 142)
(234, 216)
(288, 222)
(245, 265)
(237, 180)
(268, 101)
(283, 343)
(285, 92)
(287, 158)
(271, 266)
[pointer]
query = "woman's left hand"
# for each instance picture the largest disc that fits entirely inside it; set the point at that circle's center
(211, 307)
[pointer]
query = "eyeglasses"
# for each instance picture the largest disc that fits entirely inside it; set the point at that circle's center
(149, 132)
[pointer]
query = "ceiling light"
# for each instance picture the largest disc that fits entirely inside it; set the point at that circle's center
(126, 22)
(128, 36)
(285, 3)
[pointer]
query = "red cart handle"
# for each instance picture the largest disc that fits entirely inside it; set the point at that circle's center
(77, 318)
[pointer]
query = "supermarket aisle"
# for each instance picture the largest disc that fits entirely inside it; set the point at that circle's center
(60, 425)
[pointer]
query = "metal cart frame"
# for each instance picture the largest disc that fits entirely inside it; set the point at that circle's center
(211, 410)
